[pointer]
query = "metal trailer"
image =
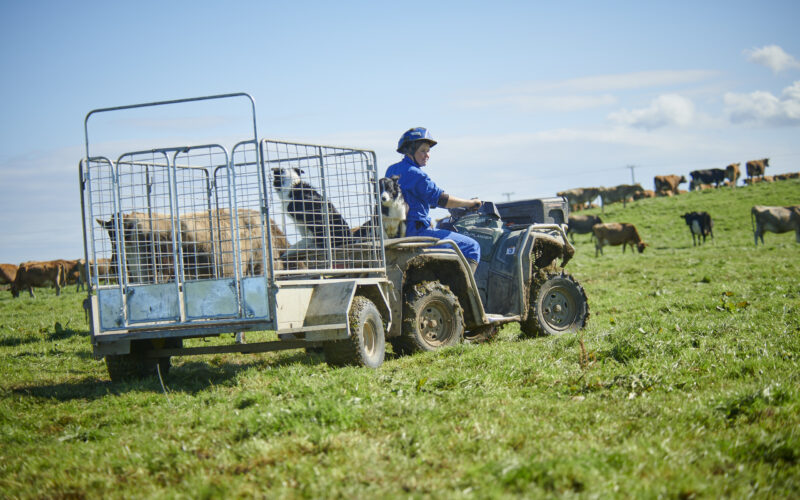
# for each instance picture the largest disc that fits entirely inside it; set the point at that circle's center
(195, 241)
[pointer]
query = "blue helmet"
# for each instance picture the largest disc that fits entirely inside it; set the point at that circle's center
(413, 135)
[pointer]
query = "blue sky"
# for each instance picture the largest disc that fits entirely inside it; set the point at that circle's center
(528, 98)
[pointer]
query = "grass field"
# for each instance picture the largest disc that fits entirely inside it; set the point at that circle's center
(685, 384)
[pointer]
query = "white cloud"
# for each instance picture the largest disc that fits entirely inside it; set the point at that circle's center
(668, 109)
(773, 57)
(762, 107)
(542, 102)
(578, 93)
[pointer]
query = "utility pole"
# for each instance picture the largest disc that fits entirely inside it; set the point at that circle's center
(633, 179)
(508, 196)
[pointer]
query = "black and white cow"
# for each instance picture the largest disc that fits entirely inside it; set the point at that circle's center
(700, 224)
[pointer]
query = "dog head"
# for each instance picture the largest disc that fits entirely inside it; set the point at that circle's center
(390, 189)
(285, 179)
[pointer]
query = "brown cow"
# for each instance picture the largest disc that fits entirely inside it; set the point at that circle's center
(645, 194)
(72, 272)
(786, 177)
(616, 233)
(579, 198)
(31, 274)
(7, 273)
(732, 173)
(622, 193)
(756, 168)
(775, 220)
(207, 246)
(581, 224)
(667, 185)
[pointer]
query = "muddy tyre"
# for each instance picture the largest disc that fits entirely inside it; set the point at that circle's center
(432, 319)
(558, 305)
(136, 364)
(366, 345)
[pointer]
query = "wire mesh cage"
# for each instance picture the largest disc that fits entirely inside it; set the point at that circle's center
(325, 202)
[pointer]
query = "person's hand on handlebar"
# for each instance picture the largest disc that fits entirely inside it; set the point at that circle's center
(471, 204)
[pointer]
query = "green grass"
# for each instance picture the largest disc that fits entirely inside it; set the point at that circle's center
(684, 384)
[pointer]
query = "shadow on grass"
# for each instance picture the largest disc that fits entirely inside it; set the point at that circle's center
(190, 377)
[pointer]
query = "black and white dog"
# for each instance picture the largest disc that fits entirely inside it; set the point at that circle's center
(393, 207)
(307, 208)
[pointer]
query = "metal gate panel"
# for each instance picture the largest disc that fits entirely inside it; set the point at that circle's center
(148, 303)
(211, 299)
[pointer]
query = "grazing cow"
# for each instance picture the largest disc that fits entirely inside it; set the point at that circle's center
(700, 224)
(756, 168)
(616, 233)
(622, 193)
(711, 176)
(581, 224)
(732, 173)
(775, 220)
(7, 273)
(31, 274)
(580, 198)
(667, 185)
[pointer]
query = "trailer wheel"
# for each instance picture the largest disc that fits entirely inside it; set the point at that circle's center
(432, 319)
(558, 305)
(366, 345)
(137, 365)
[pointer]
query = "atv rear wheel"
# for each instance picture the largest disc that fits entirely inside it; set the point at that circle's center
(558, 305)
(366, 345)
(432, 319)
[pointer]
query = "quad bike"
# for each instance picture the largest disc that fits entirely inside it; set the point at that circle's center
(437, 301)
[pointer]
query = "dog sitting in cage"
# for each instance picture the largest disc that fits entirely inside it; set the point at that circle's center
(307, 208)
(392, 211)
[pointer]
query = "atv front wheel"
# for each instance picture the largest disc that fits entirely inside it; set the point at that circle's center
(558, 305)
(432, 319)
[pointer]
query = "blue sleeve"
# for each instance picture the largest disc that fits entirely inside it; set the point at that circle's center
(423, 188)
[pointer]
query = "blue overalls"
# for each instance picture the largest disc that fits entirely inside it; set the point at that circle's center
(422, 194)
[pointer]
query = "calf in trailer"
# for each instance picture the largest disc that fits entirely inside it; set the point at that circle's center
(308, 209)
(700, 224)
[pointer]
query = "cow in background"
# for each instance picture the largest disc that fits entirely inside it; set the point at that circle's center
(786, 177)
(700, 224)
(32, 273)
(732, 173)
(775, 220)
(644, 194)
(711, 176)
(581, 224)
(667, 185)
(72, 272)
(7, 273)
(623, 193)
(756, 168)
(580, 198)
(615, 234)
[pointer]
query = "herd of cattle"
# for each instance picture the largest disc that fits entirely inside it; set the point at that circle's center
(57, 273)
(669, 185)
